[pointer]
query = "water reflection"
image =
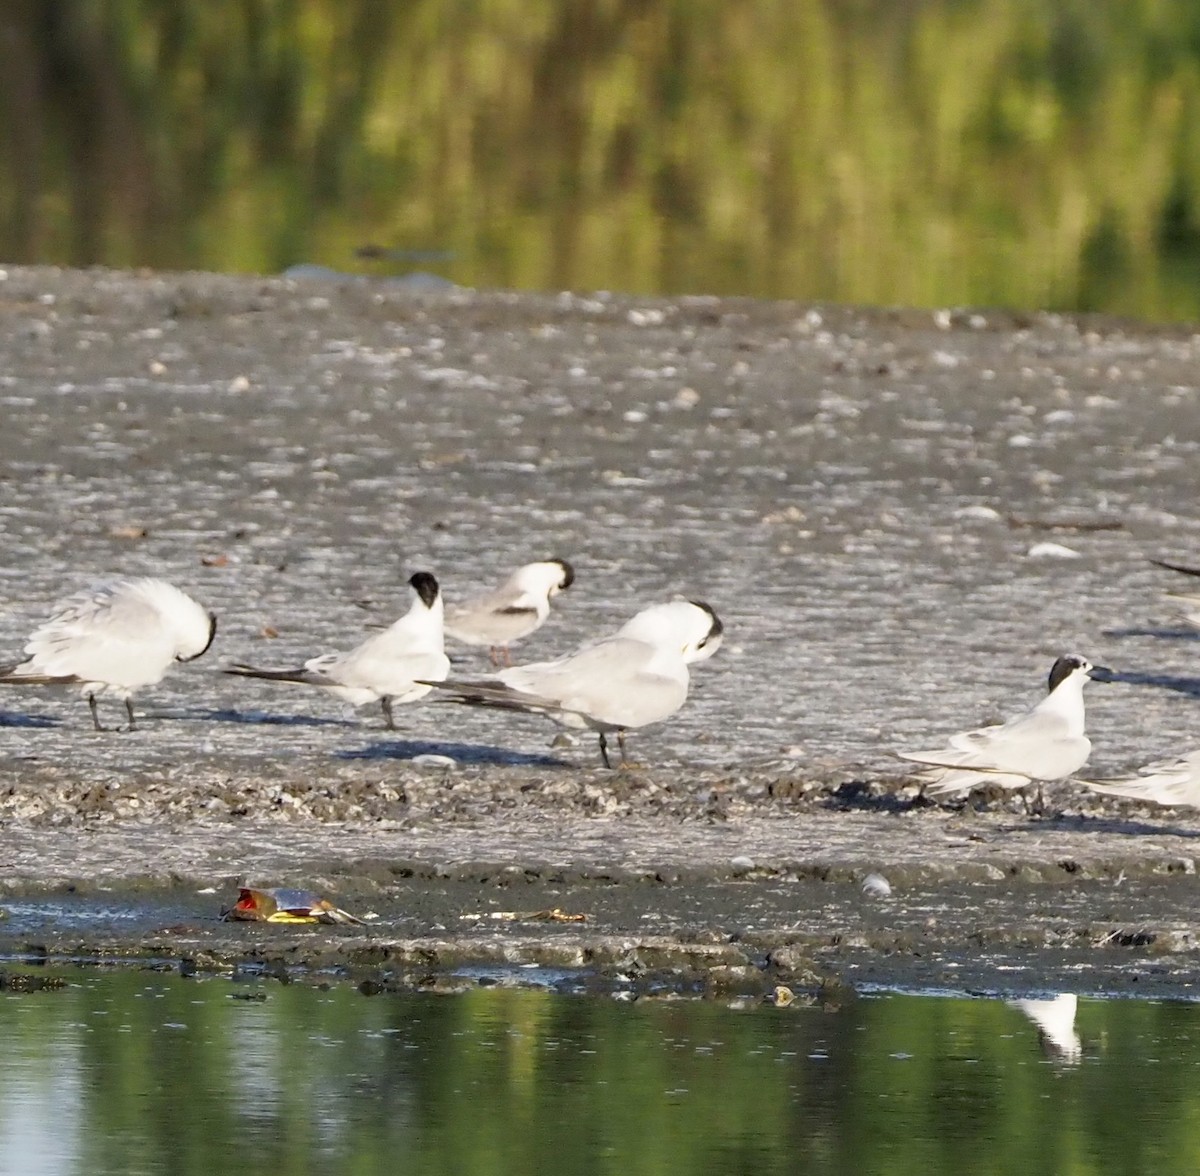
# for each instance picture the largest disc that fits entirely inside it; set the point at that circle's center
(1055, 1020)
(126, 1071)
(1018, 152)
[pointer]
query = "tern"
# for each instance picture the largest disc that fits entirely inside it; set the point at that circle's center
(393, 666)
(519, 607)
(114, 639)
(1046, 743)
(1166, 782)
(636, 677)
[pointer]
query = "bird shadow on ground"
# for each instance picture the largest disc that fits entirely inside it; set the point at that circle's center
(1161, 634)
(1130, 827)
(251, 718)
(462, 753)
(20, 719)
(859, 795)
(1189, 686)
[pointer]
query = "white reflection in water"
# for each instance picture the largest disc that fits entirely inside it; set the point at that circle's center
(1055, 1020)
(255, 1065)
(41, 1087)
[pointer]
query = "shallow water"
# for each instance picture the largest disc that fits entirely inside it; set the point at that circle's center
(126, 1071)
(998, 152)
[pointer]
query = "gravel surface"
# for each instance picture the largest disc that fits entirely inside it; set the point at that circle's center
(865, 497)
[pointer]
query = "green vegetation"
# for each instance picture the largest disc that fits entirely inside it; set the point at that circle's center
(988, 152)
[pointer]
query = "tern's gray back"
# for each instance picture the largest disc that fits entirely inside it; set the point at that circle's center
(619, 683)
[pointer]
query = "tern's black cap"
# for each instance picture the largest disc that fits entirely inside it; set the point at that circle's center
(568, 573)
(212, 636)
(426, 587)
(716, 628)
(1064, 667)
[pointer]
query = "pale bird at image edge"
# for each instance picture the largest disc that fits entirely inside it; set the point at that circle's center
(114, 639)
(1168, 782)
(1044, 744)
(636, 677)
(1188, 602)
(392, 666)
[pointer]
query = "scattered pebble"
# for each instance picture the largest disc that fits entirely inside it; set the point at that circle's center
(646, 318)
(429, 760)
(1052, 551)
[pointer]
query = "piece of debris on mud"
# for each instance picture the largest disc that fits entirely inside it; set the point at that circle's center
(285, 905)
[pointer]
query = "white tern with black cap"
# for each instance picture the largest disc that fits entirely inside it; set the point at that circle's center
(1046, 743)
(519, 607)
(392, 666)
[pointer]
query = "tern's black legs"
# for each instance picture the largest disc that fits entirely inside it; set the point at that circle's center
(388, 720)
(94, 707)
(604, 749)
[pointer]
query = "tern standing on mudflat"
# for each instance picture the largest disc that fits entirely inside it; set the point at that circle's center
(516, 609)
(1046, 743)
(393, 666)
(115, 639)
(636, 677)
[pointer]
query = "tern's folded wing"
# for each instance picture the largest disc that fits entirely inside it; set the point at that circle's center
(620, 682)
(495, 623)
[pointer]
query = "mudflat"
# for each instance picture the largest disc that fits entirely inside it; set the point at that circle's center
(901, 516)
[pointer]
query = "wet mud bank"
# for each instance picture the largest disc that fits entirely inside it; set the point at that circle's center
(660, 895)
(902, 517)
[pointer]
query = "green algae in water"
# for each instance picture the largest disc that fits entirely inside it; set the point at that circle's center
(129, 1071)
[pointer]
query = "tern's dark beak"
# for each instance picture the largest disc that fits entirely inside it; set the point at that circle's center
(1103, 674)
